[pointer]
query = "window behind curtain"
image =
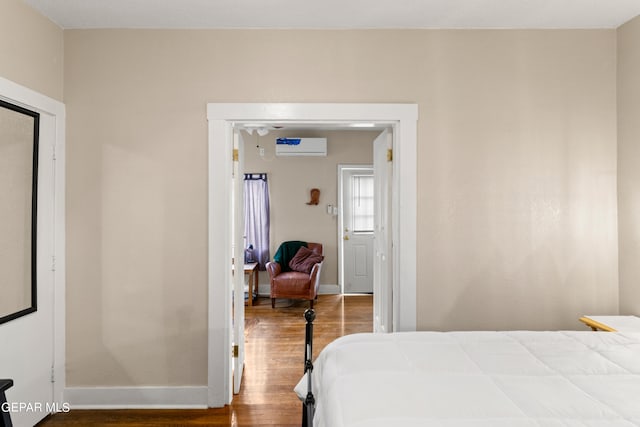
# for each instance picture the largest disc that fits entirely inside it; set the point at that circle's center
(256, 215)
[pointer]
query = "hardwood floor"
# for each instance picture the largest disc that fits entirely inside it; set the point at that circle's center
(273, 365)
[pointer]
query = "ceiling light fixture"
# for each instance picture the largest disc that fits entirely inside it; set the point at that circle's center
(260, 128)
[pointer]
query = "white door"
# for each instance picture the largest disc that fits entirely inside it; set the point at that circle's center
(382, 276)
(357, 228)
(27, 342)
(238, 256)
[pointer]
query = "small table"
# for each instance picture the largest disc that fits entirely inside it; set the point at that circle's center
(612, 323)
(251, 269)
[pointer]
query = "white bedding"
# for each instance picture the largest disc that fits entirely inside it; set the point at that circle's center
(478, 379)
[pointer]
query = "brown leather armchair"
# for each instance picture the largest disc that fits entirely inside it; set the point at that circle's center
(294, 284)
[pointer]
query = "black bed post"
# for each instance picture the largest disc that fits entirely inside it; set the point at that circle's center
(308, 406)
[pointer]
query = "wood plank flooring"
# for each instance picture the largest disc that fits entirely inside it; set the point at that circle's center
(273, 365)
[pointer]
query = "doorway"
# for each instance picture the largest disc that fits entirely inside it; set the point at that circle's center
(223, 118)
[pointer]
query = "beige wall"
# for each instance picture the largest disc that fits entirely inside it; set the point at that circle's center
(31, 49)
(628, 162)
(291, 179)
(517, 189)
(516, 176)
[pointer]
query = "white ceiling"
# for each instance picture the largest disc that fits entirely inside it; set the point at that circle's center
(342, 14)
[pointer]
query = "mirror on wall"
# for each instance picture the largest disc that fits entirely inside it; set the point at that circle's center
(18, 193)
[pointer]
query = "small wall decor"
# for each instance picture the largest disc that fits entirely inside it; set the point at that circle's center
(315, 197)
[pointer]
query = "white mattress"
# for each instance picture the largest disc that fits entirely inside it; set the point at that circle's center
(478, 379)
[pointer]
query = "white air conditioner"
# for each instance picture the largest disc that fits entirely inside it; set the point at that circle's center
(301, 146)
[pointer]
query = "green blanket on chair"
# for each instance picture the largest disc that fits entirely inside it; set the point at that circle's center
(286, 252)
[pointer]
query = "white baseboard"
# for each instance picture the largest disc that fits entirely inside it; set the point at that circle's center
(136, 397)
(263, 290)
(329, 290)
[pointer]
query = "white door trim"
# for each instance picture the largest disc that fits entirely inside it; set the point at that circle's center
(221, 117)
(20, 95)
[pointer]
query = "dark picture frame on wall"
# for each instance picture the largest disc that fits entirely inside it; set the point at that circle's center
(19, 139)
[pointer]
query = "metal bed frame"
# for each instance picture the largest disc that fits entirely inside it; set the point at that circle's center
(309, 403)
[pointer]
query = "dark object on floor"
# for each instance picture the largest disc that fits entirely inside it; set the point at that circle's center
(5, 421)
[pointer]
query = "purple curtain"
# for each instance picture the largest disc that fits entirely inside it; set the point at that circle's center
(256, 215)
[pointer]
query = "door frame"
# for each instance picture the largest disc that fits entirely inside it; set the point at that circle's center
(341, 170)
(221, 119)
(52, 143)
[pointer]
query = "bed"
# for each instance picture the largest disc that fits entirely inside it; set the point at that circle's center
(476, 379)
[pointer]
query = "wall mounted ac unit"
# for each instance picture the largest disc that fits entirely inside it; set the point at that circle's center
(301, 146)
